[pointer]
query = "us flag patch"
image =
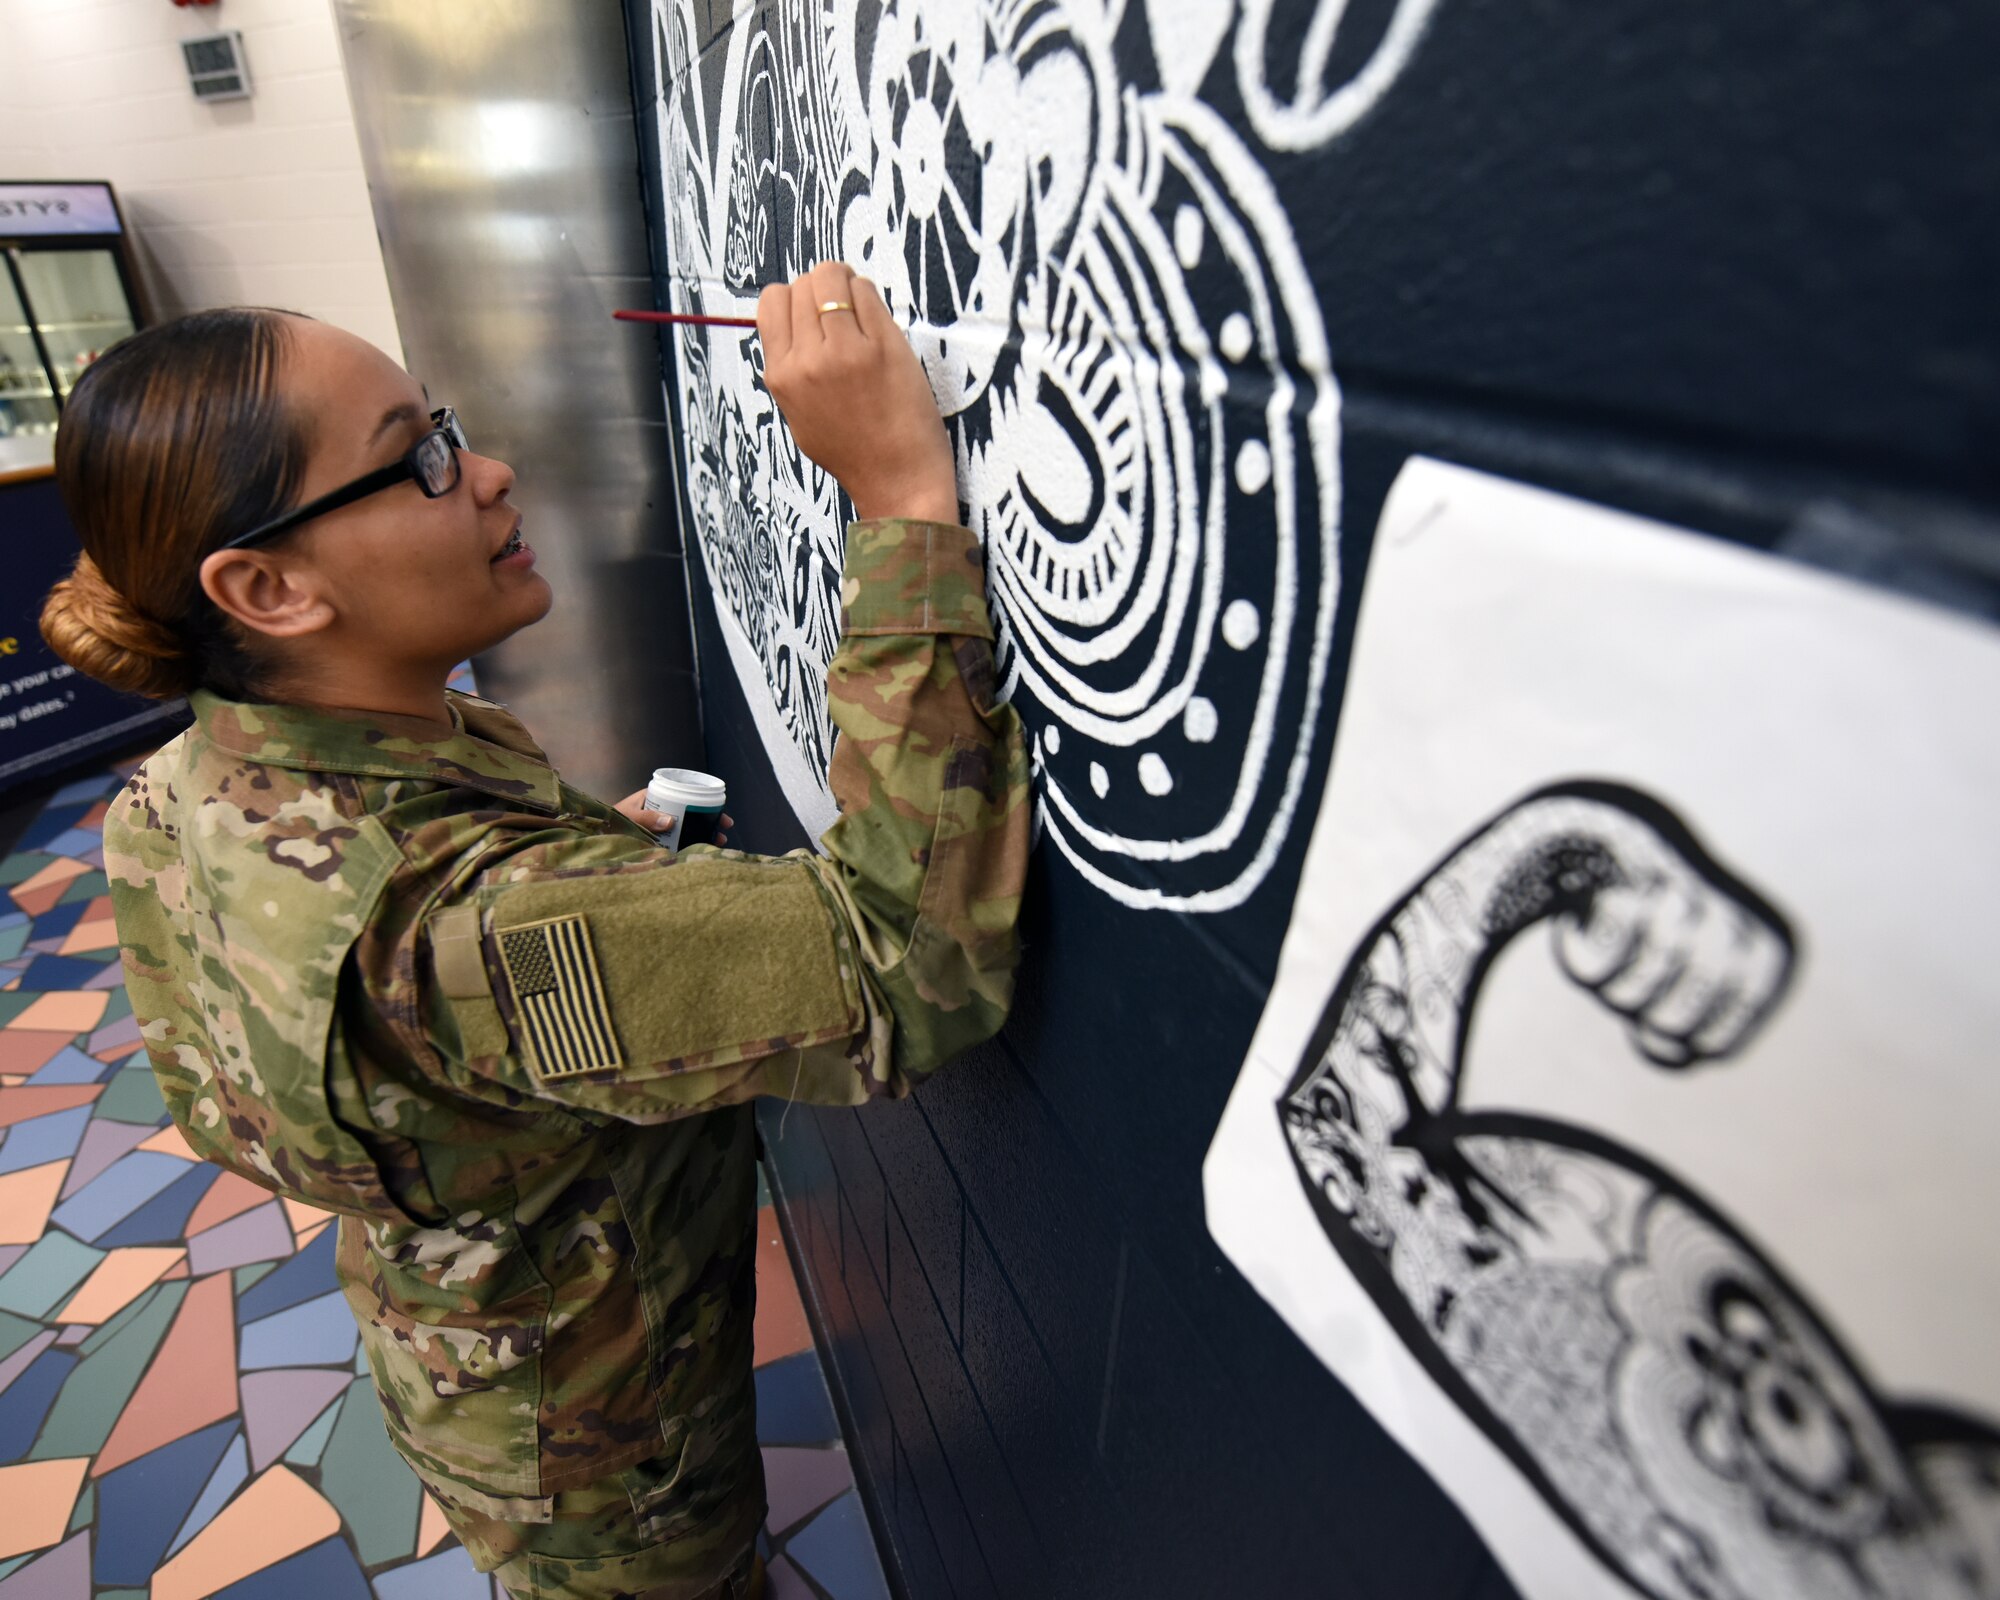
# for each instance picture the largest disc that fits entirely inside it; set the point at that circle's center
(560, 998)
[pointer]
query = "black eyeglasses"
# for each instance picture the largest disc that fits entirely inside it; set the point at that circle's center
(432, 461)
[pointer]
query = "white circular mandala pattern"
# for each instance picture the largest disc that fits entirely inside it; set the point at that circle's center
(1108, 299)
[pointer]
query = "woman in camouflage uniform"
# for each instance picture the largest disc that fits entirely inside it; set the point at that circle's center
(388, 963)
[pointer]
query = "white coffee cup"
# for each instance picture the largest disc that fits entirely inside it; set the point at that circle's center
(694, 801)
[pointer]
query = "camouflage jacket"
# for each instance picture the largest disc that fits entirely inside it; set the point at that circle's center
(406, 973)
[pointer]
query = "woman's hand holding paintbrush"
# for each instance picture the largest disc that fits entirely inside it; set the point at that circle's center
(852, 391)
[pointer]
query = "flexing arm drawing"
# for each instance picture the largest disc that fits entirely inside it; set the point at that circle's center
(1686, 1410)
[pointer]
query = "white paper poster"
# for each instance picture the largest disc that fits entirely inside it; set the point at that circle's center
(1621, 1125)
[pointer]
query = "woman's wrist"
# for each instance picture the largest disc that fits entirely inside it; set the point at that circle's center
(932, 503)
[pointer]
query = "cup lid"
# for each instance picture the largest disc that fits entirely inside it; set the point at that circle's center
(690, 784)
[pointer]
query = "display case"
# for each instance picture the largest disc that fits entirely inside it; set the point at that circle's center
(67, 294)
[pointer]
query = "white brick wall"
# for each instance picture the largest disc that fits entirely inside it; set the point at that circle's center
(256, 202)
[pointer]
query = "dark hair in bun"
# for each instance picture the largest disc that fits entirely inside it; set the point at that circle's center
(171, 443)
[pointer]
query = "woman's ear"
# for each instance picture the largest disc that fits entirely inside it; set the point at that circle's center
(266, 593)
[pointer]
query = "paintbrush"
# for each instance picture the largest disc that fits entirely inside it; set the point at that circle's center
(693, 318)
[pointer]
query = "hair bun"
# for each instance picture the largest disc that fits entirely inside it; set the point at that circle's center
(104, 636)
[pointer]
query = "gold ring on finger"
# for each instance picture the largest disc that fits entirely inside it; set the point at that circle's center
(834, 305)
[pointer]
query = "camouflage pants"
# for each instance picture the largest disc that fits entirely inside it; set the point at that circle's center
(605, 1542)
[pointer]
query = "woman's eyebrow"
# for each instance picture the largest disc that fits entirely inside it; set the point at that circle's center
(394, 416)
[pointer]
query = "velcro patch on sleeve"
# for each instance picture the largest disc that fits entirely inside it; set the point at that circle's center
(559, 998)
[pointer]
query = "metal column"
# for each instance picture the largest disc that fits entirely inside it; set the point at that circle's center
(504, 171)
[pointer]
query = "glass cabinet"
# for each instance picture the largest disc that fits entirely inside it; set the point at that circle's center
(67, 294)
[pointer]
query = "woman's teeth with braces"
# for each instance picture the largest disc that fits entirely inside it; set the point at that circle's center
(511, 547)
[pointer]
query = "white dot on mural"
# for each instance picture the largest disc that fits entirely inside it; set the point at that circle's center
(1100, 780)
(1153, 775)
(1253, 466)
(1241, 624)
(1199, 721)
(1052, 739)
(1190, 232)
(1236, 338)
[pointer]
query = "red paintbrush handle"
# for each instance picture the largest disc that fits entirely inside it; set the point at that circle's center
(693, 318)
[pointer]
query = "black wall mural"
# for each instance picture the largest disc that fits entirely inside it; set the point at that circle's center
(1194, 280)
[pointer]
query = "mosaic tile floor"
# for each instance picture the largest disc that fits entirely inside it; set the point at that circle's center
(180, 1411)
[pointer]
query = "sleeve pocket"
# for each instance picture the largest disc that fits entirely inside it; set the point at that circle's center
(709, 961)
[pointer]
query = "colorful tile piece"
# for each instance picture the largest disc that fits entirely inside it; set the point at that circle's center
(118, 1280)
(155, 1309)
(81, 891)
(450, 1576)
(318, 1333)
(312, 1443)
(97, 1391)
(374, 1487)
(279, 1515)
(35, 1100)
(259, 1235)
(432, 1529)
(119, 1191)
(837, 1551)
(39, 1496)
(73, 843)
(70, 1065)
(27, 1197)
(780, 1328)
(797, 1482)
(69, 1011)
(133, 1095)
(86, 790)
(304, 1218)
(40, 1140)
(52, 926)
(91, 934)
(279, 1405)
(782, 1582)
(58, 972)
(62, 1574)
(145, 1502)
(103, 1143)
(170, 1141)
(793, 1406)
(56, 818)
(112, 977)
(229, 1476)
(50, 1270)
(191, 1383)
(231, 1195)
(23, 1053)
(26, 1401)
(19, 868)
(307, 1276)
(162, 1219)
(40, 892)
(18, 1361)
(124, 1031)
(326, 1572)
